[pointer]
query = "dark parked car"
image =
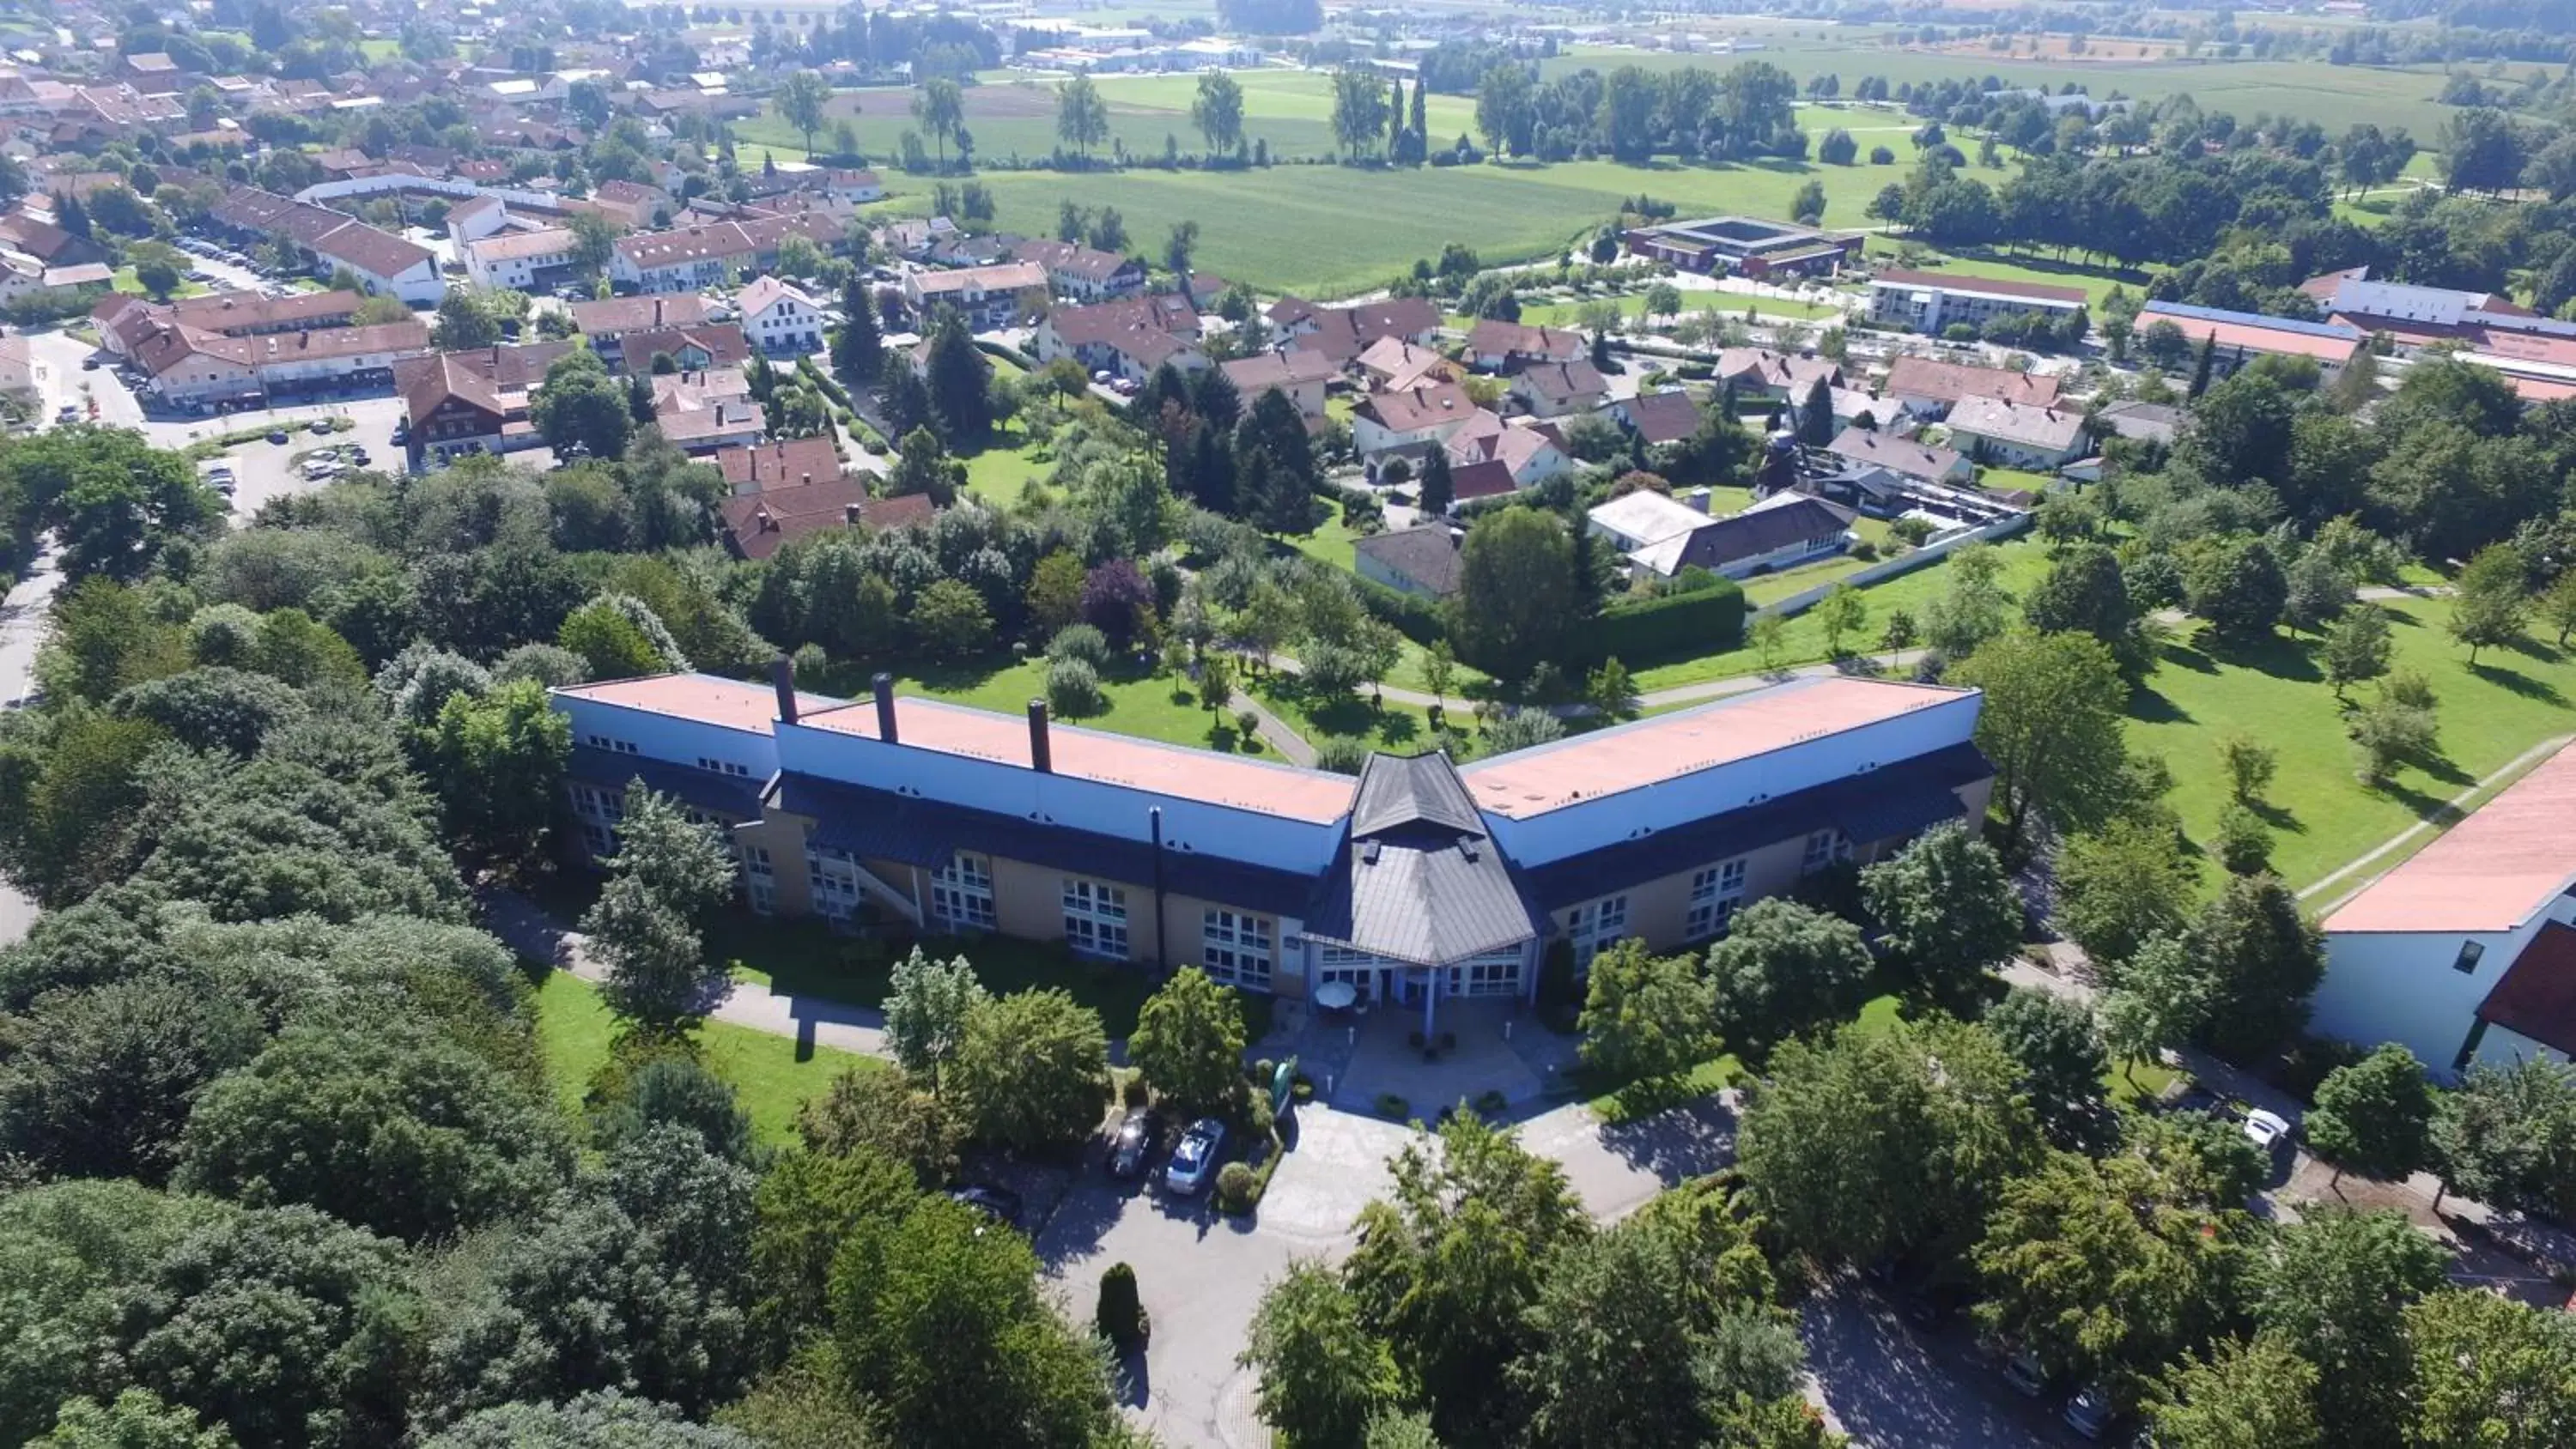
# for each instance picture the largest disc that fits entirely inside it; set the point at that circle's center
(277, 435)
(1000, 1204)
(1133, 1146)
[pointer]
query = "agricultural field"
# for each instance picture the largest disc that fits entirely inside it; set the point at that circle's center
(2333, 96)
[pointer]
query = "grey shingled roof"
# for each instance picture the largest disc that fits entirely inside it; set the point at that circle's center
(1418, 880)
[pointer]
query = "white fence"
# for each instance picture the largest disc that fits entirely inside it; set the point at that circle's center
(1924, 557)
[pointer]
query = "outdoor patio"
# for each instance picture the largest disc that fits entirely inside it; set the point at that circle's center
(1356, 1059)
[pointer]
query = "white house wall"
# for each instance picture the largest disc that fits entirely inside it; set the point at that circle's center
(2399, 986)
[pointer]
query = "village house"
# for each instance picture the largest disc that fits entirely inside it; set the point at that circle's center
(780, 318)
(1559, 389)
(1424, 561)
(1343, 333)
(695, 348)
(987, 297)
(2016, 436)
(190, 367)
(1658, 417)
(472, 402)
(1901, 455)
(523, 261)
(706, 412)
(757, 525)
(608, 321)
(1761, 372)
(1391, 364)
(1084, 274)
(1498, 346)
(787, 463)
(1409, 421)
(1929, 388)
(1301, 374)
(1129, 337)
(1661, 536)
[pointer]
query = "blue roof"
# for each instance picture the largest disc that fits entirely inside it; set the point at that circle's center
(735, 796)
(2254, 319)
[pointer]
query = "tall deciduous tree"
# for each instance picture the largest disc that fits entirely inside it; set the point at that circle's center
(1947, 906)
(1322, 1374)
(2335, 1288)
(1784, 967)
(499, 764)
(2507, 1135)
(1646, 1015)
(926, 1014)
(1515, 593)
(2489, 1370)
(2375, 1116)
(1032, 1070)
(2264, 960)
(1877, 1139)
(2493, 602)
(2157, 999)
(799, 101)
(1217, 111)
(2257, 1395)
(1188, 1043)
(2062, 1061)
(667, 873)
(2052, 725)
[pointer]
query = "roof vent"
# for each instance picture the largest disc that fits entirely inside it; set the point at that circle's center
(1467, 848)
(1368, 852)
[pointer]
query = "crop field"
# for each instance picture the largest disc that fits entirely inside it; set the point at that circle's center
(2334, 96)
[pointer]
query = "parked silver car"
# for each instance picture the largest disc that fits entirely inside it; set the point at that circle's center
(1193, 1164)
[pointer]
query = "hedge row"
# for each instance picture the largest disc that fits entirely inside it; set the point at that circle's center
(1701, 622)
(1417, 618)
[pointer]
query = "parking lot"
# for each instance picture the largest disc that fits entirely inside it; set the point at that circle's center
(1890, 1385)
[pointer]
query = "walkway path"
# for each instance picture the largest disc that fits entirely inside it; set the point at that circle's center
(1291, 745)
(2449, 815)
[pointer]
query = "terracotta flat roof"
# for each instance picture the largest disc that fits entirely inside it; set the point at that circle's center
(1610, 762)
(1183, 774)
(2491, 872)
(709, 699)
(2324, 341)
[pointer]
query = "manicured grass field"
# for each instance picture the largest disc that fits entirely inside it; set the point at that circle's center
(2096, 282)
(2321, 814)
(999, 472)
(1399, 728)
(768, 1074)
(1146, 705)
(807, 958)
(1803, 641)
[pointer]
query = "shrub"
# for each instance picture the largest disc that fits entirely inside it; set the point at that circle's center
(1246, 723)
(1236, 1188)
(1491, 1103)
(1341, 754)
(1864, 550)
(1073, 688)
(1080, 641)
(1392, 1107)
(1560, 995)
(1910, 531)
(1132, 1091)
(1121, 1316)
(2244, 841)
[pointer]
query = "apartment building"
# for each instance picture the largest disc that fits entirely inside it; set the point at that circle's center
(1930, 301)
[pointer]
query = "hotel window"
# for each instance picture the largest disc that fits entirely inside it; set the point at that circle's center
(1095, 919)
(1714, 895)
(759, 879)
(1235, 948)
(1823, 849)
(722, 767)
(603, 742)
(2466, 962)
(834, 879)
(961, 893)
(1494, 973)
(1595, 925)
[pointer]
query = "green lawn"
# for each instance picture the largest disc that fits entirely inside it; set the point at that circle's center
(2097, 282)
(2322, 816)
(806, 958)
(768, 1073)
(1803, 641)
(123, 280)
(1000, 471)
(1398, 728)
(1141, 704)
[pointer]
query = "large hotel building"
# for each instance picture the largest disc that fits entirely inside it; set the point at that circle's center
(1416, 881)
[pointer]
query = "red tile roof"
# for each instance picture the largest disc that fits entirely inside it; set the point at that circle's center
(759, 524)
(2491, 872)
(2536, 996)
(1950, 381)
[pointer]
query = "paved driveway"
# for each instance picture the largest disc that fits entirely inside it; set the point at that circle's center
(1890, 1387)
